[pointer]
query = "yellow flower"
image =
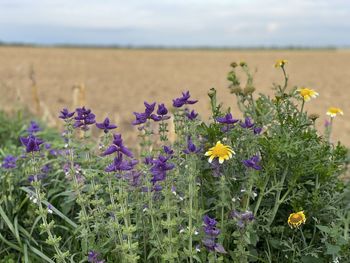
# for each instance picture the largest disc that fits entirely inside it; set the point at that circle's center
(296, 219)
(307, 93)
(221, 151)
(333, 111)
(280, 63)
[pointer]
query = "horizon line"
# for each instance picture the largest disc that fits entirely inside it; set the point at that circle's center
(175, 47)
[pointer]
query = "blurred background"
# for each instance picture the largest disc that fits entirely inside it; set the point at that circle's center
(113, 55)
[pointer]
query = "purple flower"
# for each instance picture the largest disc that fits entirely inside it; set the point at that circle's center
(143, 117)
(191, 115)
(327, 123)
(157, 188)
(149, 107)
(65, 114)
(253, 162)
(242, 218)
(140, 118)
(33, 127)
(179, 102)
(85, 117)
(227, 119)
(257, 130)
(162, 110)
(93, 257)
(36, 177)
(9, 162)
(191, 148)
(134, 178)
(209, 222)
(211, 234)
(168, 150)
(159, 168)
(247, 124)
(46, 168)
(106, 125)
(120, 165)
(148, 160)
(118, 146)
(31, 143)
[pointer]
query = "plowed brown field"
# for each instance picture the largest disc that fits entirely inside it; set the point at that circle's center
(117, 81)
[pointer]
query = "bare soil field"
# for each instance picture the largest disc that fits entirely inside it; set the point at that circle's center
(117, 81)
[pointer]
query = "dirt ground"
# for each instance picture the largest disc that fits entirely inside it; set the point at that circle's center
(117, 81)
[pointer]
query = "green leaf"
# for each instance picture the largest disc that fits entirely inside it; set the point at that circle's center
(54, 209)
(7, 221)
(325, 229)
(41, 254)
(332, 249)
(310, 259)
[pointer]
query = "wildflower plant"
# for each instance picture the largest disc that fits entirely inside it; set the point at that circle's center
(261, 185)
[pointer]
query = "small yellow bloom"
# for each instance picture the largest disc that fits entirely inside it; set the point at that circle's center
(280, 63)
(307, 93)
(333, 111)
(221, 151)
(296, 219)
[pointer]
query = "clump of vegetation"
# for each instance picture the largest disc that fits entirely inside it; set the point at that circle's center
(265, 188)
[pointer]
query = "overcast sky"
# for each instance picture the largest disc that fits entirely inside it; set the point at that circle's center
(177, 22)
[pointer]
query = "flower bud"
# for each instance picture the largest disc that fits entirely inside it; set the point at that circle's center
(248, 90)
(235, 90)
(243, 64)
(234, 64)
(314, 116)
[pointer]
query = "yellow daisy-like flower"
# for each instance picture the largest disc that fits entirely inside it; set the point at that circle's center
(296, 219)
(307, 93)
(280, 63)
(333, 111)
(221, 151)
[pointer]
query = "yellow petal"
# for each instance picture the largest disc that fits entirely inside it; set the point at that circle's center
(211, 158)
(221, 160)
(208, 153)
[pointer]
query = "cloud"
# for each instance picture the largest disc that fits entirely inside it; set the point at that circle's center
(181, 22)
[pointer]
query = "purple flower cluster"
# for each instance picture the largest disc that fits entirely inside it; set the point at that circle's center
(33, 128)
(253, 162)
(168, 150)
(121, 165)
(148, 113)
(191, 115)
(84, 118)
(9, 162)
(242, 218)
(185, 99)
(93, 257)
(211, 235)
(106, 125)
(228, 120)
(191, 148)
(65, 114)
(118, 146)
(247, 124)
(31, 143)
(159, 168)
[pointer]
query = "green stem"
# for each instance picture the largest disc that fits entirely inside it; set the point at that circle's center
(302, 108)
(261, 194)
(111, 197)
(285, 80)
(43, 213)
(190, 191)
(303, 237)
(278, 200)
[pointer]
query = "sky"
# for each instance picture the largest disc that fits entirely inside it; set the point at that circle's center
(218, 23)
